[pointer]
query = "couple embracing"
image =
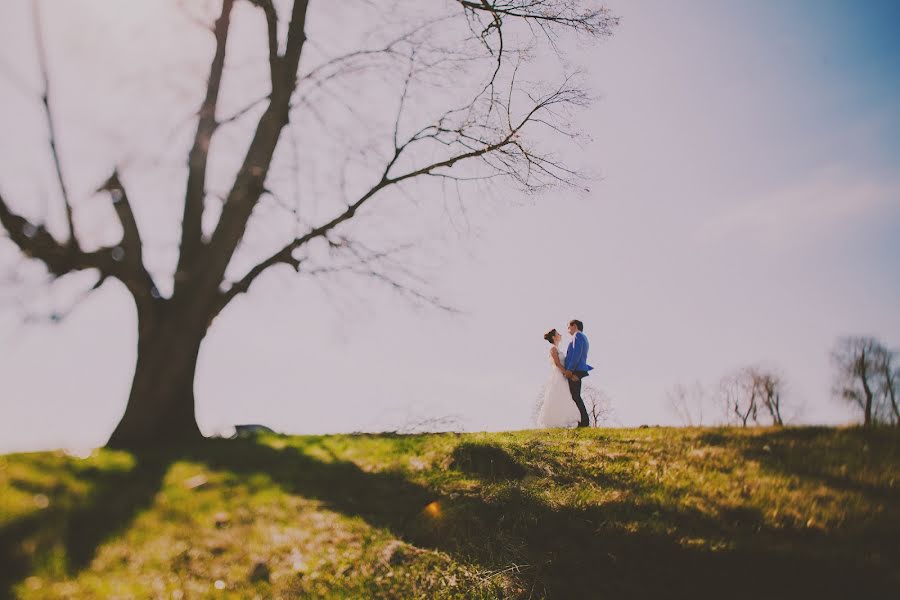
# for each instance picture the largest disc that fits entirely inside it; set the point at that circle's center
(561, 404)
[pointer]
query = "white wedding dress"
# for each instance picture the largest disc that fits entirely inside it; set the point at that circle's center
(556, 407)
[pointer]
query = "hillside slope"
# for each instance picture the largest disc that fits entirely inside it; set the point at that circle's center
(661, 513)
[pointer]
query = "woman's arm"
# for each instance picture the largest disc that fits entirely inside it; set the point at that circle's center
(554, 354)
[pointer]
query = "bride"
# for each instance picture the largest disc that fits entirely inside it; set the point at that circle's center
(556, 407)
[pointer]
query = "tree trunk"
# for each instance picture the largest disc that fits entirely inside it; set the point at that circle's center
(774, 404)
(890, 387)
(868, 407)
(893, 397)
(160, 409)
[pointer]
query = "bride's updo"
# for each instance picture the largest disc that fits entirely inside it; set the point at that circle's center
(550, 335)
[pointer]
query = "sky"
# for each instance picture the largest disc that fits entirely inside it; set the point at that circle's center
(746, 210)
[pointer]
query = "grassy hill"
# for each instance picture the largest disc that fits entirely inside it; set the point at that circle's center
(662, 513)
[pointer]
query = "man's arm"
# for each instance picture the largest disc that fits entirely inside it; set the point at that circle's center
(574, 357)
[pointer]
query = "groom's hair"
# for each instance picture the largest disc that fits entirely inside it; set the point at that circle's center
(577, 324)
(550, 335)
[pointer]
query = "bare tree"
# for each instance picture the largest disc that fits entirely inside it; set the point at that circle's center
(888, 374)
(687, 403)
(441, 424)
(856, 362)
(598, 405)
(769, 389)
(739, 398)
(750, 391)
(432, 93)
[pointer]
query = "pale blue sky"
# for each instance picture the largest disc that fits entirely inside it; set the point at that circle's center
(749, 210)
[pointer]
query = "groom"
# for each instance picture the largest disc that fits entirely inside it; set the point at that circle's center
(577, 367)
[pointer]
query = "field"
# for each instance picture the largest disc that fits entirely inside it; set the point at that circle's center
(600, 513)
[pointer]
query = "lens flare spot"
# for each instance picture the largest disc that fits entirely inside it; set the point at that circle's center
(433, 510)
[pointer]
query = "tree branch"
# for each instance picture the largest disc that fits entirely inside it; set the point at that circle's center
(387, 267)
(237, 115)
(34, 241)
(597, 21)
(131, 236)
(60, 259)
(285, 254)
(497, 143)
(45, 101)
(272, 35)
(197, 159)
(241, 286)
(249, 183)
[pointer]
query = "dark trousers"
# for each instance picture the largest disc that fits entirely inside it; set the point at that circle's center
(575, 390)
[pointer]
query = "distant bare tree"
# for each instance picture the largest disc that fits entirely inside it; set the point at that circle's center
(856, 360)
(429, 92)
(750, 391)
(422, 424)
(687, 403)
(739, 398)
(598, 405)
(888, 374)
(769, 386)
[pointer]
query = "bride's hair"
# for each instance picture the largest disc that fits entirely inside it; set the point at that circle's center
(550, 335)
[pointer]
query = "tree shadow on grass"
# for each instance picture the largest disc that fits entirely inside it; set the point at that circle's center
(79, 527)
(836, 458)
(625, 548)
(620, 549)
(484, 460)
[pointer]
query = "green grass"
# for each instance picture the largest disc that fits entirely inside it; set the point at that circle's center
(662, 513)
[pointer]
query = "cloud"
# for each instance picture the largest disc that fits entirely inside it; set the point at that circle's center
(807, 209)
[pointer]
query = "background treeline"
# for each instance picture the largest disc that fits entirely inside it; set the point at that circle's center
(866, 375)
